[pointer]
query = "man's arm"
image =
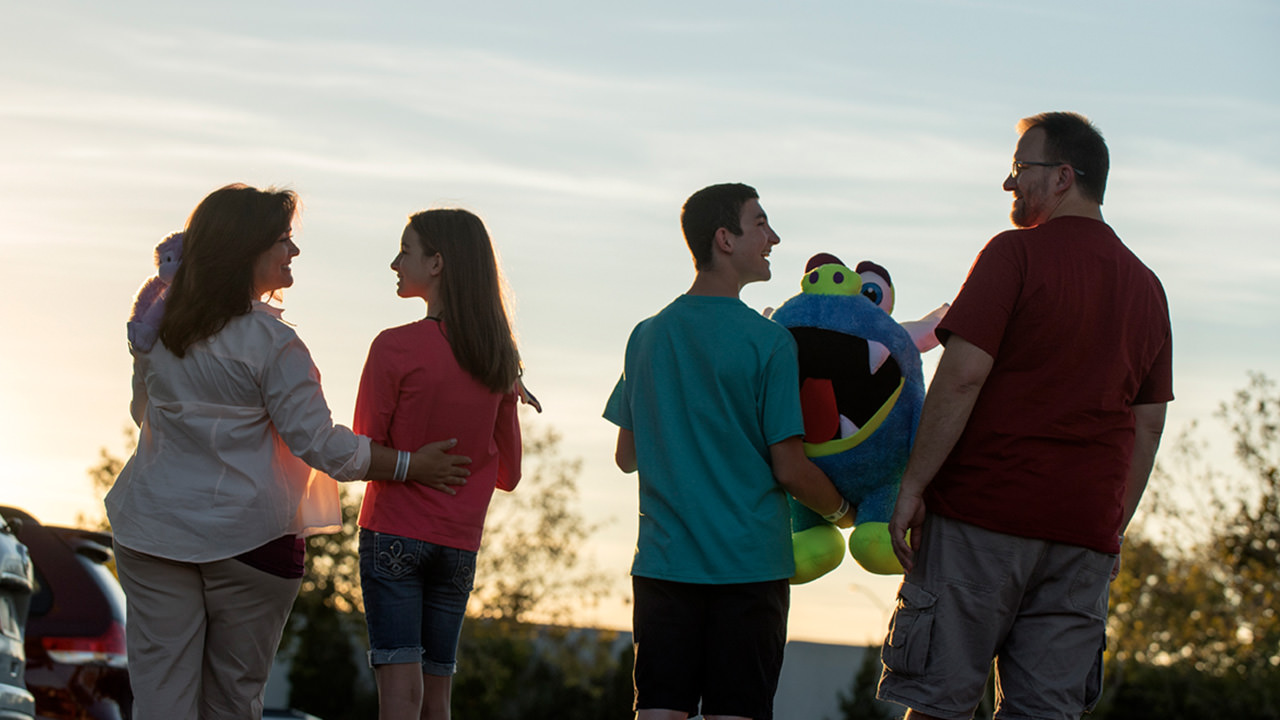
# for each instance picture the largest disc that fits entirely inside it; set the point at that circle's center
(1148, 426)
(797, 474)
(961, 373)
(625, 454)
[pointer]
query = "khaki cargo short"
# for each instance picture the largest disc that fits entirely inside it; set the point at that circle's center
(1037, 608)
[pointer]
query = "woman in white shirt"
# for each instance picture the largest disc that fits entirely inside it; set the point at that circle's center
(210, 513)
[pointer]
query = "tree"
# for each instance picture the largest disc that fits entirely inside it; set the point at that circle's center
(531, 563)
(1250, 548)
(519, 671)
(860, 703)
(332, 575)
(1194, 627)
(325, 636)
(103, 475)
(327, 673)
(530, 567)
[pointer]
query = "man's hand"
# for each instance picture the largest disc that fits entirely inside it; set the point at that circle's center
(904, 528)
(437, 469)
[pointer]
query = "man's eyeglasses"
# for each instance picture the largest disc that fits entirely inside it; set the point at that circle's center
(1020, 165)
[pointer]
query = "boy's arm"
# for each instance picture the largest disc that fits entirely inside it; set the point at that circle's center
(806, 483)
(625, 454)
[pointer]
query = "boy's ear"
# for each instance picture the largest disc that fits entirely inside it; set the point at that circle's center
(723, 240)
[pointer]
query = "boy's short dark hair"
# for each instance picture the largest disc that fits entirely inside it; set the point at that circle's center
(708, 210)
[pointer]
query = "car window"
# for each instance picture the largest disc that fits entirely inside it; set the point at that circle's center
(42, 597)
(107, 581)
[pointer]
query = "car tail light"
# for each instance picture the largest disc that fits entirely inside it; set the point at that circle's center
(106, 649)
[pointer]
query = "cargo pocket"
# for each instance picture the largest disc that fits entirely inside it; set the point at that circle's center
(1093, 684)
(1091, 585)
(906, 649)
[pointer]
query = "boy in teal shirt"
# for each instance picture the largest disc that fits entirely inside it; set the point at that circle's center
(708, 410)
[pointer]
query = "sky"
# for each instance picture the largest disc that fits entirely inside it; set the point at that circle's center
(576, 130)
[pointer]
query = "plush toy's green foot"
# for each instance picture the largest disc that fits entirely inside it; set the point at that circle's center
(870, 546)
(818, 551)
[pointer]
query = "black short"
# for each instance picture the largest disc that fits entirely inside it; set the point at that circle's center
(721, 644)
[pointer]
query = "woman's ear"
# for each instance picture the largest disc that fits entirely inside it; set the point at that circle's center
(436, 264)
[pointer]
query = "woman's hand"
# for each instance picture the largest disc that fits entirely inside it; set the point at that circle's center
(432, 466)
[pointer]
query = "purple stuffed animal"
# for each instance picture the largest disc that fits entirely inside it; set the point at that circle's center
(148, 305)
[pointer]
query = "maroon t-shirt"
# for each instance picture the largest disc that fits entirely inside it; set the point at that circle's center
(1079, 330)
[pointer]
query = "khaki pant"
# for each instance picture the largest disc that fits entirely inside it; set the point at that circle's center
(201, 636)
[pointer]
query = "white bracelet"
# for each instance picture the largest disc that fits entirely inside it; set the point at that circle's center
(833, 517)
(402, 466)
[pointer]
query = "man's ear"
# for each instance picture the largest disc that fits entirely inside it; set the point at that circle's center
(1064, 179)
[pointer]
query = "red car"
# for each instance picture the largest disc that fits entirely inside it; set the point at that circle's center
(76, 663)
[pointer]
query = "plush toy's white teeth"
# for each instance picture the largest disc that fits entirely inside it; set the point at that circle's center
(876, 355)
(847, 427)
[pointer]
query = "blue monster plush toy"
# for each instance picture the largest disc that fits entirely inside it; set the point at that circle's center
(861, 389)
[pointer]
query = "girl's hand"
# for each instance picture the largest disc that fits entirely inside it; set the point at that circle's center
(437, 469)
(527, 397)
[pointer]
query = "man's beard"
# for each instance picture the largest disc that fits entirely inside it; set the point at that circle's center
(1022, 215)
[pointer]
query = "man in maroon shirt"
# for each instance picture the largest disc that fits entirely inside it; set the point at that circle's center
(1037, 436)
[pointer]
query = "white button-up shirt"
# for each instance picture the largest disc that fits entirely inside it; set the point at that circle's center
(229, 436)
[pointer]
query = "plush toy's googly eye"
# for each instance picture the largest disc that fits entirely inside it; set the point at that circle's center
(876, 285)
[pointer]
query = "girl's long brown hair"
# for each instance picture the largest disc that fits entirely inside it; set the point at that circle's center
(475, 314)
(225, 234)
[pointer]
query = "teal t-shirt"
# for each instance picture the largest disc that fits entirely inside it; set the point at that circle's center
(707, 386)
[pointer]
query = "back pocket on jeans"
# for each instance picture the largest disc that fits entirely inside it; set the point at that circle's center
(464, 575)
(906, 649)
(396, 558)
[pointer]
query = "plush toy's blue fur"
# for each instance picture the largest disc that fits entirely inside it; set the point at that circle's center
(869, 474)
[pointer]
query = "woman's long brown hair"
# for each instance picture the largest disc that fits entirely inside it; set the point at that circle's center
(224, 236)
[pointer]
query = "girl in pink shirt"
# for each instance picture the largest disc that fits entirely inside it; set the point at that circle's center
(452, 374)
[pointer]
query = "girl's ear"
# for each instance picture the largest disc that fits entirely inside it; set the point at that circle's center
(436, 264)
